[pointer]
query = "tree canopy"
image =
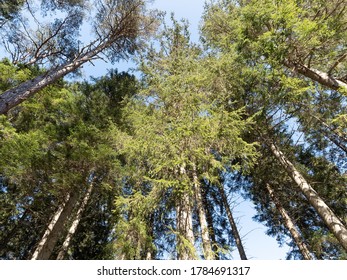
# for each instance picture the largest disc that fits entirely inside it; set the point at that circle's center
(144, 167)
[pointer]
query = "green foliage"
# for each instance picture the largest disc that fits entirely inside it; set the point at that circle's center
(11, 75)
(199, 115)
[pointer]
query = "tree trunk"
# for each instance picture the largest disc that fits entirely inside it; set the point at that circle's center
(209, 218)
(335, 139)
(184, 224)
(206, 242)
(76, 221)
(316, 75)
(151, 253)
(186, 250)
(330, 219)
(55, 228)
(233, 225)
(338, 135)
(288, 222)
(22, 92)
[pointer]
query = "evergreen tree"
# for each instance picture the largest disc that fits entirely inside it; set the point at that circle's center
(183, 132)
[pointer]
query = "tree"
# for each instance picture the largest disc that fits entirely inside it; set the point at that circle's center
(72, 140)
(182, 132)
(328, 216)
(233, 225)
(261, 38)
(119, 28)
(117, 168)
(302, 36)
(8, 10)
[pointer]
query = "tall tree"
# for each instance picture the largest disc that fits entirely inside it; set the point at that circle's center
(307, 37)
(331, 220)
(260, 38)
(72, 137)
(183, 131)
(119, 28)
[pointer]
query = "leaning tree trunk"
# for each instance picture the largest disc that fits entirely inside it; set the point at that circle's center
(233, 225)
(119, 36)
(76, 221)
(48, 241)
(205, 236)
(318, 76)
(334, 224)
(288, 222)
(184, 224)
(335, 139)
(22, 92)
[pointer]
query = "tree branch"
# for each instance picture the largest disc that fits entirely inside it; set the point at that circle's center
(316, 75)
(337, 62)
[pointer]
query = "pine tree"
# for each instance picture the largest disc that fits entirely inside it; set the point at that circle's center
(180, 130)
(119, 27)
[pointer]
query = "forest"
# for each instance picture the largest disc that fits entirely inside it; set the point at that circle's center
(141, 166)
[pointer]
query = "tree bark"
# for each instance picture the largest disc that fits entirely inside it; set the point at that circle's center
(316, 75)
(76, 221)
(184, 224)
(55, 228)
(288, 222)
(233, 225)
(22, 92)
(330, 219)
(185, 229)
(205, 236)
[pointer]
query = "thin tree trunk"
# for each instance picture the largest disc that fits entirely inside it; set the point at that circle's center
(150, 255)
(335, 139)
(209, 218)
(288, 222)
(337, 134)
(206, 241)
(76, 221)
(316, 75)
(55, 228)
(332, 135)
(330, 219)
(184, 224)
(233, 225)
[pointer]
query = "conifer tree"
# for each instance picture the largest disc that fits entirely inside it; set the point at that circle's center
(181, 128)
